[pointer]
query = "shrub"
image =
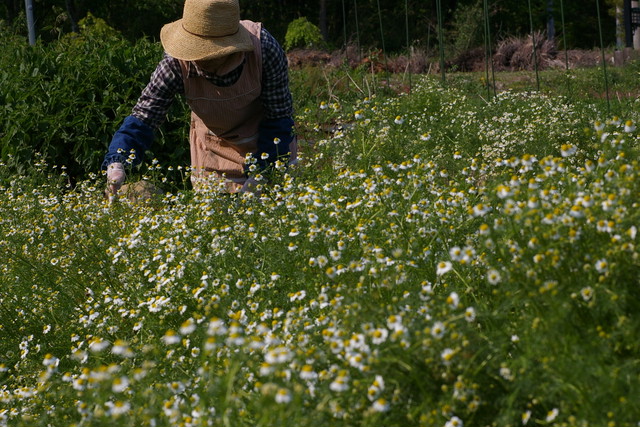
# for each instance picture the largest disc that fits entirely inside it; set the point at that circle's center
(302, 34)
(66, 99)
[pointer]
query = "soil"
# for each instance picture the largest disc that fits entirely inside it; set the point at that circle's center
(515, 56)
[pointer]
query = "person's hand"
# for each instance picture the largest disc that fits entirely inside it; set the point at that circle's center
(115, 177)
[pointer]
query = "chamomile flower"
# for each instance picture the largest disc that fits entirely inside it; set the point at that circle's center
(380, 405)
(454, 422)
(375, 388)
(120, 384)
(97, 344)
(505, 373)
(601, 266)
(117, 408)
(379, 335)
(493, 276)
(50, 361)
(455, 253)
(586, 293)
(322, 261)
(443, 267)
(278, 355)
(568, 150)
(629, 126)
(307, 373)
(188, 326)
(552, 415)
(121, 348)
(447, 356)
(470, 314)
(438, 330)
(297, 296)
(283, 396)
(171, 337)
(394, 323)
(340, 383)
(598, 125)
(453, 300)
(216, 327)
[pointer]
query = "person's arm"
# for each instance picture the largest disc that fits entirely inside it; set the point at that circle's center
(277, 103)
(129, 142)
(136, 133)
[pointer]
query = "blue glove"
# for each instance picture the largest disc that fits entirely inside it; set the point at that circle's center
(270, 132)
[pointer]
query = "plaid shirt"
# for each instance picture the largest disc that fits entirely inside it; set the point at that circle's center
(166, 82)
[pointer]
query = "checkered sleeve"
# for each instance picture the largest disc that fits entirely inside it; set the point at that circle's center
(276, 96)
(135, 135)
(158, 95)
(277, 104)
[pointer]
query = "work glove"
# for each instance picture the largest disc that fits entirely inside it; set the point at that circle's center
(115, 177)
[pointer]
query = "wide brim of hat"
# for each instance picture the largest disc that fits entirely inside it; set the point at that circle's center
(181, 44)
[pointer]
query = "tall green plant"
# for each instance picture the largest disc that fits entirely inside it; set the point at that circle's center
(466, 28)
(66, 99)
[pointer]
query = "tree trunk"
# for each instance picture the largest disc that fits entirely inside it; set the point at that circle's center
(551, 25)
(323, 20)
(636, 33)
(71, 13)
(619, 28)
(13, 9)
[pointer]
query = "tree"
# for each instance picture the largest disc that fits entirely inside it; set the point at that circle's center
(615, 9)
(551, 24)
(323, 19)
(144, 18)
(12, 9)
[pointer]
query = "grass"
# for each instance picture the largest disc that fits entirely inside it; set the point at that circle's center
(436, 259)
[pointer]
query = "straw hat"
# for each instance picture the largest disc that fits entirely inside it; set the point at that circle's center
(208, 29)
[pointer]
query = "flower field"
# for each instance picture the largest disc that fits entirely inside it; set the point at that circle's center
(431, 261)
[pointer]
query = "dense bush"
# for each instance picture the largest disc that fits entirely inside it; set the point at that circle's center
(302, 33)
(66, 99)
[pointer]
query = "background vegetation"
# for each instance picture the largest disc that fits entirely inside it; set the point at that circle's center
(341, 22)
(447, 253)
(65, 99)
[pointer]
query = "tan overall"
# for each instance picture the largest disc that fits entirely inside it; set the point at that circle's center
(225, 120)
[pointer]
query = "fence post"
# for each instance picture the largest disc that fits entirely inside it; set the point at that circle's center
(30, 23)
